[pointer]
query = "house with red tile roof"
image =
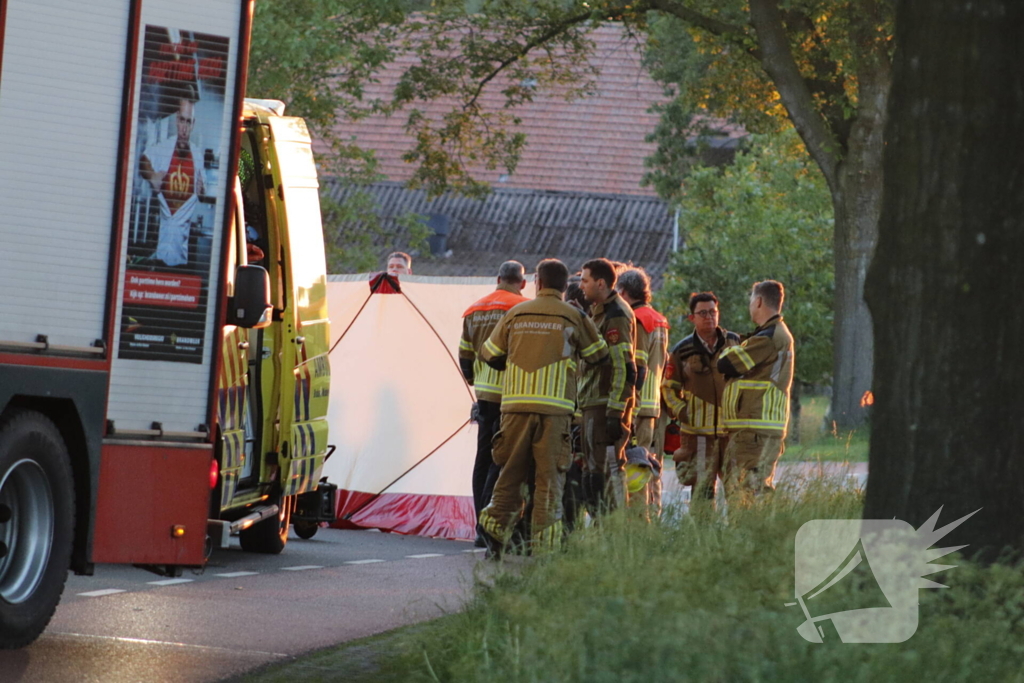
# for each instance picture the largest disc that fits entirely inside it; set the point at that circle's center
(575, 193)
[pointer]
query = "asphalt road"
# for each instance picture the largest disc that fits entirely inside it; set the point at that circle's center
(243, 610)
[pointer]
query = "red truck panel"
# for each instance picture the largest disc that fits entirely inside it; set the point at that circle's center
(144, 492)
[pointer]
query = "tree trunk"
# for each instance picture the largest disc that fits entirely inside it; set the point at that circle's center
(946, 283)
(795, 411)
(852, 341)
(857, 204)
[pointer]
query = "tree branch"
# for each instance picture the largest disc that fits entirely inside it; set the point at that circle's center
(736, 34)
(827, 77)
(777, 61)
(552, 32)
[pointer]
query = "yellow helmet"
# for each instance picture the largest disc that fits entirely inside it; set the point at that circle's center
(637, 477)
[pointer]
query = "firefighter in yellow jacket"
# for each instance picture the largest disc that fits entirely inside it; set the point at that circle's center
(478, 322)
(756, 399)
(538, 344)
(634, 286)
(692, 390)
(607, 391)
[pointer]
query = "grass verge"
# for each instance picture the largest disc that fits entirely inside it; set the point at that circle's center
(693, 599)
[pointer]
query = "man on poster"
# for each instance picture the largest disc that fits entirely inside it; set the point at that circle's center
(172, 168)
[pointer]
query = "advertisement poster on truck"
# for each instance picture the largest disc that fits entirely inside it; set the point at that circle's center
(176, 188)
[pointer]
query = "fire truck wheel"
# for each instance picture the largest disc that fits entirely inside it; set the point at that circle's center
(270, 535)
(37, 503)
(306, 530)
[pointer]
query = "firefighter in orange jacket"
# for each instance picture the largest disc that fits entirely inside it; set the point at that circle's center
(478, 322)
(538, 344)
(692, 390)
(634, 286)
(756, 399)
(607, 392)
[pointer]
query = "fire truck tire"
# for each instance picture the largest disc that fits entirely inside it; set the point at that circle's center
(37, 503)
(271, 535)
(306, 530)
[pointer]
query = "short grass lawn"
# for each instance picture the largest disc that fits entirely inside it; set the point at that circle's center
(823, 442)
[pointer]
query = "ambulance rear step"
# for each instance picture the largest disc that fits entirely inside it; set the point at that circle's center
(220, 531)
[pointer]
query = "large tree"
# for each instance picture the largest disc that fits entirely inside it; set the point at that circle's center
(826, 63)
(945, 287)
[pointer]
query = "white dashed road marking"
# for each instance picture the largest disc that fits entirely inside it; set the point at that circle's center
(235, 575)
(363, 561)
(302, 568)
(424, 555)
(169, 582)
(475, 550)
(101, 593)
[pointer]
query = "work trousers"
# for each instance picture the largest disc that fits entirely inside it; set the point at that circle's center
(749, 462)
(573, 498)
(604, 463)
(525, 441)
(650, 433)
(485, 472)
(699, 463)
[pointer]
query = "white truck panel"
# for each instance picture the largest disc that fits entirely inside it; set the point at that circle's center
(60, 118)
(173, 393)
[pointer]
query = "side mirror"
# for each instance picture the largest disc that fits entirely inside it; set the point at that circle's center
(250, 306)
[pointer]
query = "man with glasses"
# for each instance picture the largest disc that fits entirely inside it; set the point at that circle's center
(692, 389)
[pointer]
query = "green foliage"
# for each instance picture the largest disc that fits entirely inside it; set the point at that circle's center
(702, 79)
(768, 216)
(698, 600)
(317, 56)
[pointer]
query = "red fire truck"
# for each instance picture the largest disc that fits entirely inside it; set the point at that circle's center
(163, 319)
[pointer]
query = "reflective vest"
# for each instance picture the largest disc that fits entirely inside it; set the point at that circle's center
(478, 322)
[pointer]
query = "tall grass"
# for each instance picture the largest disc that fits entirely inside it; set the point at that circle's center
(701, 598)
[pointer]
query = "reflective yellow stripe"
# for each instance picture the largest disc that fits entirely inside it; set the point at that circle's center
(670, 391)
(536, 400)
(754, 424)
(618, 353)
(702, 431)
(486, 379)
(594, 348)
(616, 405)
(774, 412)
(642, 355)
(548, 385)
(465, 345)
(493, 349)
(741, 355)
